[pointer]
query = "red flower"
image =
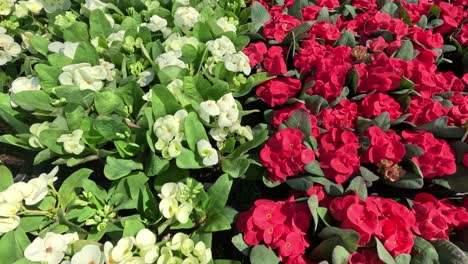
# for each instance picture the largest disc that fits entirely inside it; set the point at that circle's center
(375, 104)
(336, 138)
(438, 158)
(339, 165)
(277, 91)
(366, 256)
(310, 12)
(284, 155)
(458, 114)
(323, 198)
(463, 36)
(279, 26)
(282, 115)
(274, 62)
(325, 30)
(465, 160)
(267, 214)
(255, 52)
(451, 15)
(383, 146)
(344, 114)
(292, 245)
(425, 110)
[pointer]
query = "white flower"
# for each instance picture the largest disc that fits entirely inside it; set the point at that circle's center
(22, 8)
(67, 48)
(50, 249)
(94, 4)
(173, 150)
(176, 87)
(190, 260)
(8, 47)
(22, 84)
(237, 62)
(175, 42)
(148, 96)
(146, 78)
(5, 6)
(170, 58)
(9, 209)
(123, 249)
(51, 6)
(156, 23)
(185, 18)
(151, 254)
(220, 47)
(17, 192)
(202, 253)
(133, 260)
(187, 247)
(246, 132)
(118, 36)
(145, 239)
(71, 142)
(168, 207)
(225, 25)
(36, 130)
(183, 2)
(183, 212)
(228, 118)
(39, 191)
(88, 254)
(107, 253)
(219, 134)
(87, 77)
(207, 109)
(8, 224)
(177, 241)
(51, 176)
(208, 153)
(169, 190)
(226, 102)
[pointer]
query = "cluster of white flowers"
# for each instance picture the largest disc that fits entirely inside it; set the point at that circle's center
(157, 23)
(175, 42)
(87, 77)
(176, 201)
(169, 130)
(223, 115)
(71, 142)
(67, 48)
(141, 249)
(227, 24)
(22, 8)
(8, 47)
(185, 18)
(222, 49)
(181, 244)
(51, 249)
(30, 193)
(170, 58)
(6, 6)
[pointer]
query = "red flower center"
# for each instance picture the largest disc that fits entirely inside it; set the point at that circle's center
(269, 215)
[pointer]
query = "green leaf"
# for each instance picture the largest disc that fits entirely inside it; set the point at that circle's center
(163, 101)
(297, 33)
(439, 128)
(413, 151)
(403, 259)
(59, 60)
(13, 245)
(40, 43)
(86, 53)
(216, 222)
(156, 165)
(312, 202)
(368, 175)
(188, 160)
(147, 205)
(449, 253)
(260, 254)
(35, 99)
(358, 186)
(406, 52)
(348, 238)
(346, 39)
(49, 138)
(239, 243)
(383, 253)
(219, 193)
(340, 255)
(423, 252)
(170, 73)
(226, 261)
(119, 168)
(68, 189)
(110, 128)
(194, 131)
(99, 25)
(300, 119)
(259, 15)
(296, 9)
(314, 168)
(131, 227)
(107, 102)
(48, 75)
(456, 182)
(6, 178)
(77, 32)
(235, 167)
(315, 103)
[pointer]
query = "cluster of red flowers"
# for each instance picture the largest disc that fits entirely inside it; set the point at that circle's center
(367, 74)
(435, 219)
(280, 225)
(383, 218)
